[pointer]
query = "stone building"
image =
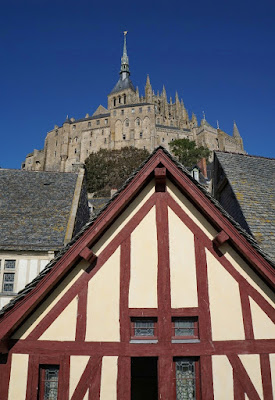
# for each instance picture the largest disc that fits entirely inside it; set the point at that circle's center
(36, 221)
(130, 120)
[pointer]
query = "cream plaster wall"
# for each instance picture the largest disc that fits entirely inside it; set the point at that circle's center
(272, 367)
(144, 264)
(225, 302)
(251, 363)
(103, 302)
(27, 267)
(77, 367)
(222, 378)
(182, 264)
(245, 270)
(263, 327)
(124, 218)
(191, 210)
(108, 388)
(50, 301)
(64, 326)
(18, 377)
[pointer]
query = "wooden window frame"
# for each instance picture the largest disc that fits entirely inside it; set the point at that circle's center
(187, 337)
(197, 376)
(155, 327)
(4, 270)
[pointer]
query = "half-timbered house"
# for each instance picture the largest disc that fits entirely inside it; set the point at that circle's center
(162, 296)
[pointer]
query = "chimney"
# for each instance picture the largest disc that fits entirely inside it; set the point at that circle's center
(113, 191)
(202, 166)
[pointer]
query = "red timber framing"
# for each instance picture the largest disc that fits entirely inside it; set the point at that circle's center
(55, 352)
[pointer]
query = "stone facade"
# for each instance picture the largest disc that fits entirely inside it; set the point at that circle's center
(130, 120)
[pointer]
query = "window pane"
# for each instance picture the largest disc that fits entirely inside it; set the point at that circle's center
(144, 328)
(184, 327)
(9, 264)
(185, 379)
(8, 281)
(49, 381)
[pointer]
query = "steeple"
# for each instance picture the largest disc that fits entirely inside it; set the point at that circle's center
(148, 91)
(236, 133)
(124, 69)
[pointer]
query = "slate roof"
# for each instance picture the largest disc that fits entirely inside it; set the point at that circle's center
(34, 209)
(122, 85)
(51, 264)
(252, 181)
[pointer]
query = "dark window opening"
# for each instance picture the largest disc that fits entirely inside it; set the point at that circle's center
(144, 378)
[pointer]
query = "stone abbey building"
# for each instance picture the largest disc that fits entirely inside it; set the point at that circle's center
(130, 120)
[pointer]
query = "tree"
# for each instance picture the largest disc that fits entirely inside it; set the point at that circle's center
(187, 152)
(108, 169)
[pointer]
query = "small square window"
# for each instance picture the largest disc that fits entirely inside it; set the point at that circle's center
(149, 109)
(9, 264)
(97, 121)
(106, 121)
(8, 282)
(140, 109)
(124, 136)
(185, 328)
(89, 124)
(133, 110)
(143, 328)
(140, 135)
(122, 112)
(74, 127)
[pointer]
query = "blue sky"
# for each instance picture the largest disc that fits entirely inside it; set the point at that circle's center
(63, 57)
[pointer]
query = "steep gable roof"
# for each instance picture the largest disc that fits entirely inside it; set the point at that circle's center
(252, 181)
(36, 291)
(34, 210)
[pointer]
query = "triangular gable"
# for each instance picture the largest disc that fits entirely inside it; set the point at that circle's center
(184, 200)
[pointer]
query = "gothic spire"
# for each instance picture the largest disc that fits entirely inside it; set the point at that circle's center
(236, 133)
(124, 69)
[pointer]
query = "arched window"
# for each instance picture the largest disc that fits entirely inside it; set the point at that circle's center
(124, 97)
(119, 99)
(114, 101)
(126, 122)
(138, 122)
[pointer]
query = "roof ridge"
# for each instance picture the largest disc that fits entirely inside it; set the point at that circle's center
(242, 154)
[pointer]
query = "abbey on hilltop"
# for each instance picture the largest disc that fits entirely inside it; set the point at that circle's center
(130, 120)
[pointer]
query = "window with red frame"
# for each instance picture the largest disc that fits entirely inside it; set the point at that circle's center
(187, 378)
(185, 328)
(48, 382)
(144, 328)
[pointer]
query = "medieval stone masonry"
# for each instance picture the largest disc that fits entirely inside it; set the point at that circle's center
(130, 120)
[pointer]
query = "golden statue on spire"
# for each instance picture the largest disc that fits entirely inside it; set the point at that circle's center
(125, 33)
